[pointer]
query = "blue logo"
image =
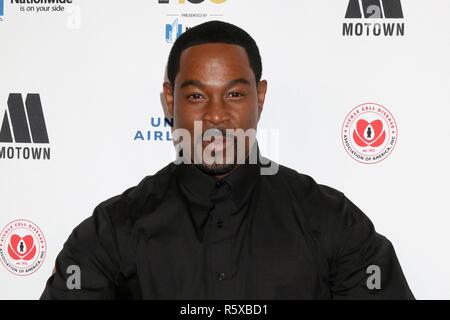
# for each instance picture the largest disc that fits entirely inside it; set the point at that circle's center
(173, 31)
(1, 8)
(159, 129)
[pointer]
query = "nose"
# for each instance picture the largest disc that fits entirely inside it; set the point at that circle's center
(216, 112)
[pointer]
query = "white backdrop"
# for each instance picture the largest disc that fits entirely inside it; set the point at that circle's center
(98, 68)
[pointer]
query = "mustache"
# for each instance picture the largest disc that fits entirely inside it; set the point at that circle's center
(218, 132)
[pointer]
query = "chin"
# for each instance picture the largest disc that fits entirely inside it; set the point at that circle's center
(216, 169)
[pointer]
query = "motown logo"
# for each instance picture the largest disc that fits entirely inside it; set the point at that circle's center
(22, 247)
(371, 12)
(369, 133)
(24, 123)
(374, 9)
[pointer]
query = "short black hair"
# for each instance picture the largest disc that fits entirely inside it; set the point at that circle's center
(214, 32)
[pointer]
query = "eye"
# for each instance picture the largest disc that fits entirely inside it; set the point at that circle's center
(195, 96)
(235, 94)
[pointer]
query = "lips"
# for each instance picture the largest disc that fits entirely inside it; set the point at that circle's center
(219, 141)
(369, 133)
(21, 248)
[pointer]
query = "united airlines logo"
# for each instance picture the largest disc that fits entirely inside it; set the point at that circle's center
(24, 123)
(377, 18)
(157, 129)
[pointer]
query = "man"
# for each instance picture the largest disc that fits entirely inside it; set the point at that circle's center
(212, 226)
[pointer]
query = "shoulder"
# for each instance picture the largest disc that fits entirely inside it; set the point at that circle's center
(330, 215)
(131, 203)
(305, 187)
(112, 220)
(118, 213)
(325, 207)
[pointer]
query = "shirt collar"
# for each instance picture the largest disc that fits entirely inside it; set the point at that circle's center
(240, 180)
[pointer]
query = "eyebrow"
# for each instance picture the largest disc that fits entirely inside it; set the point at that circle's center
(198, 83)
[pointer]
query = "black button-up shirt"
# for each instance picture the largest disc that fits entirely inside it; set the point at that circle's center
(182, 234)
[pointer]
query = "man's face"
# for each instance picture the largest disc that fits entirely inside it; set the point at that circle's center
(216, 87)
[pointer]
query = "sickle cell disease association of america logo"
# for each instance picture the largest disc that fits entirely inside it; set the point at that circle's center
(22, 247)
(369, 133)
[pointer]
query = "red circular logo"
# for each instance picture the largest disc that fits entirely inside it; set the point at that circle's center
(22, 247)
(369, 133)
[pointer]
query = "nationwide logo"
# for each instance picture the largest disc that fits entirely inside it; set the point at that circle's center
(41, 6)
(371, 12)
(24, 124)
(1, 10)
(44, 7)
(173, 31)
(175, 27)
(22, 247)
(369, 133)
(160, 129)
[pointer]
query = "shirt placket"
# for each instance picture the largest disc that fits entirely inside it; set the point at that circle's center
(221, 238)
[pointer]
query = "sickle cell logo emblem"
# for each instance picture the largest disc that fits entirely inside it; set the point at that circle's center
(22, 247)
(369, 133)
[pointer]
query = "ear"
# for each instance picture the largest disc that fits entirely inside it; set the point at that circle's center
(262, 89)
(168, 95)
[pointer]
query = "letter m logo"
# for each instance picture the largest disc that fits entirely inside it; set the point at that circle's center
(370, 9)
(26, 121)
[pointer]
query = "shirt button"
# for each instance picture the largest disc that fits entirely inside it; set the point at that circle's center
(219, 184)
(219, 224)
(221, 276)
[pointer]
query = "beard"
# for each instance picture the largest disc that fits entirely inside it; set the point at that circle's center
(225, 165)
(217, 160)
(216, 169)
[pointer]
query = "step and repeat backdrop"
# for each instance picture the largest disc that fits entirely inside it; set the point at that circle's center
(358, 99)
